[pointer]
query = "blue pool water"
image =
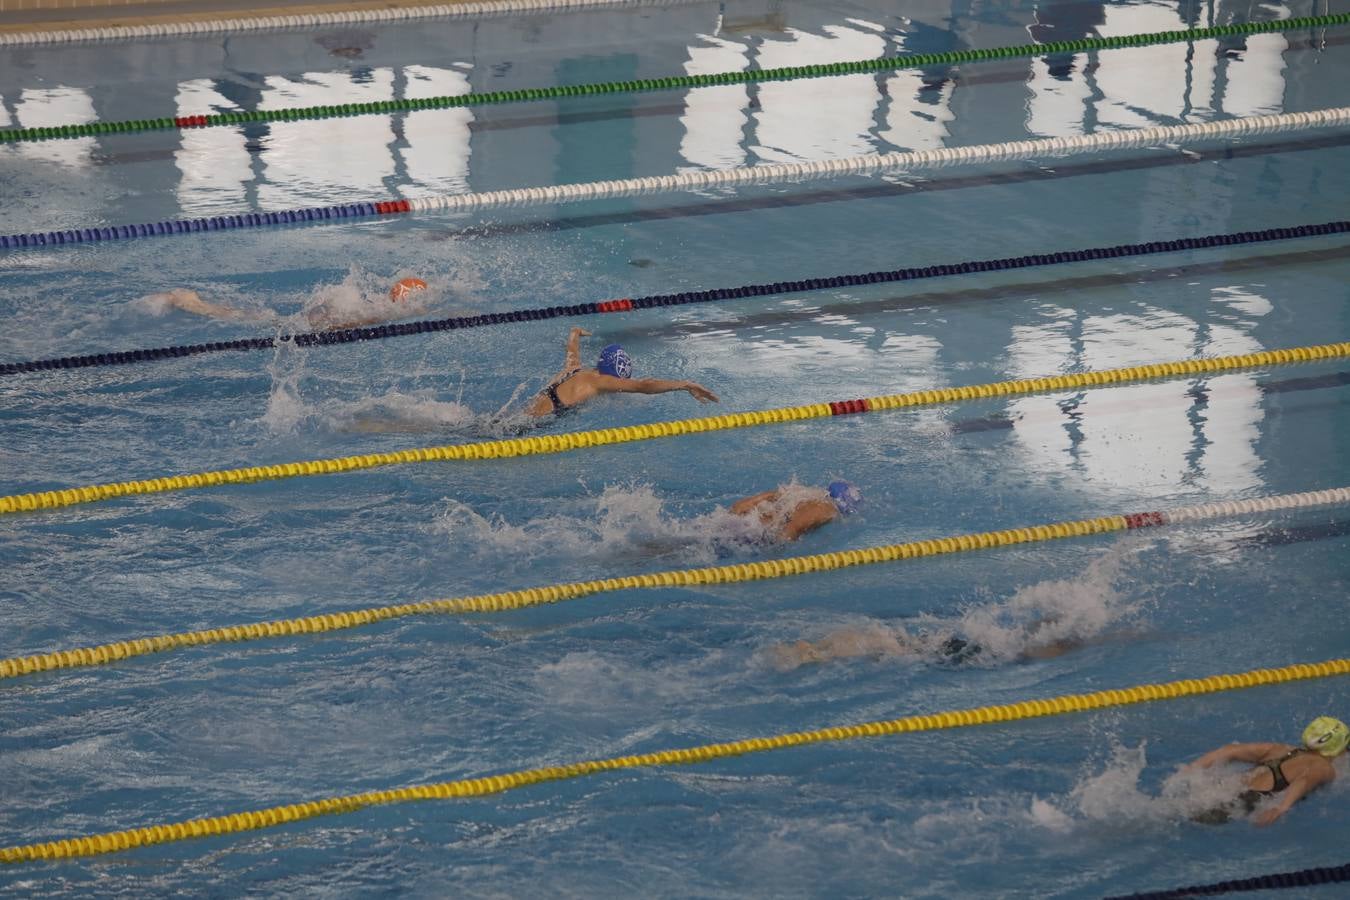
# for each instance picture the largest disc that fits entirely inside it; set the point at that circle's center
(1082, 805)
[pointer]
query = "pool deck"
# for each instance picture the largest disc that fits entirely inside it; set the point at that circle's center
(55, 15)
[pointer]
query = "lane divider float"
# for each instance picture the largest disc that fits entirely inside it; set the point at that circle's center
(674, 82)
(1276, 881)
(575, 440)
(19, 36)
(255, 820)
(717, 179)
(455, 323)
(727, 574)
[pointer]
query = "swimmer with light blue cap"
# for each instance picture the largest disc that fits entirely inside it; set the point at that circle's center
(790, 511)
(613, 374)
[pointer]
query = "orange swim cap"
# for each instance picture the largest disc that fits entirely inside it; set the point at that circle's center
(405, 287)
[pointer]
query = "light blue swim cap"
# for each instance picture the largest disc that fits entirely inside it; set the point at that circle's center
(614, 361)
(847, 498)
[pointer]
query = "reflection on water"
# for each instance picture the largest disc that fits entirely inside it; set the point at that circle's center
(427, 153)
(424, 152)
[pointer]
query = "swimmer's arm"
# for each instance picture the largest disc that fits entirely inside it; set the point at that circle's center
(573, 358)
(741, 507)
(808, 516)
(1250, 753)
(611, 384)
(190, 301)
(1298, 788)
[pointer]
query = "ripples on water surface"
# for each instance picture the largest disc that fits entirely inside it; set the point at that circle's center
(1075, 806)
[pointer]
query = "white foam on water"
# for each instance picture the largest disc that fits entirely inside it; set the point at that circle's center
(1041, 620)
(622, 521)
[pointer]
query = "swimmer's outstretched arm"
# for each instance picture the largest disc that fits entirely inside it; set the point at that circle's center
(190, 301)
(610, 384)
(1249, 753)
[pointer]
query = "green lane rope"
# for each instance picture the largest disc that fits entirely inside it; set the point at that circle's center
(674, 82)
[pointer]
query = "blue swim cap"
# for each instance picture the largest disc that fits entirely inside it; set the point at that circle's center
(847, 498)
(614, 361)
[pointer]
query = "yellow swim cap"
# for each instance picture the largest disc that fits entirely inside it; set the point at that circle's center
(1326, 735)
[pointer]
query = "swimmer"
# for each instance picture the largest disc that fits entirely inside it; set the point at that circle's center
(1279, 770)
(613, 374)
(790, 512)
(322, 317)
(880, 641)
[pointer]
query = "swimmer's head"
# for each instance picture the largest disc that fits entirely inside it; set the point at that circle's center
(405, 288)
(614, 361)
(1327, 736)
(847, 498)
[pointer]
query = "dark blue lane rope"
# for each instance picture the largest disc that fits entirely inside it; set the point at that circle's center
(1301, 878)
(209, 223)
(352, 335)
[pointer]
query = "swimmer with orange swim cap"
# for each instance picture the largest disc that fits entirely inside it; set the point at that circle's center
(322, 317)
(405, 288)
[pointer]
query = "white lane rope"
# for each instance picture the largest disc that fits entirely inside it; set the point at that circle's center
(778, 173)
(484, 9)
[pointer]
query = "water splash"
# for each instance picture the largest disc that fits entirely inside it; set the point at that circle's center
(1049, 617)
(1114, 797)
(1041, 620)
(623, 521)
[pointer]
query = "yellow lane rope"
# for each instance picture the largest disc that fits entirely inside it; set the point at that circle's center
(526, 446)
(111, 842)
(727, 574)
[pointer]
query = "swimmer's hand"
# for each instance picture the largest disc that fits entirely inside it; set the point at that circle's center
(700, 393)
(578, 331)
(1267, 816)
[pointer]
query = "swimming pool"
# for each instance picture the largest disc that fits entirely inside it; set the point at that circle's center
(1068, 806)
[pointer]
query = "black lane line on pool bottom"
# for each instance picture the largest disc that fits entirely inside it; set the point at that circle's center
(352, 335)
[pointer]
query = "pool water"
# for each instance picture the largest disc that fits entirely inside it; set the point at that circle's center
(1082, 805)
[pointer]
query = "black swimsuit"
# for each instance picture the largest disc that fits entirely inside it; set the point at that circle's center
(1276, 768)
(559, 407)
(1248, 799)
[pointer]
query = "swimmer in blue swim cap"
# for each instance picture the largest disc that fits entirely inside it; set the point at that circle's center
(613, 374)
(792, 510)
(1278, 770)
(847, 498)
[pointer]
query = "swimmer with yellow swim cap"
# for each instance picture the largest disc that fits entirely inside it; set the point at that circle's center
(322, 317)
(1280, 770)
